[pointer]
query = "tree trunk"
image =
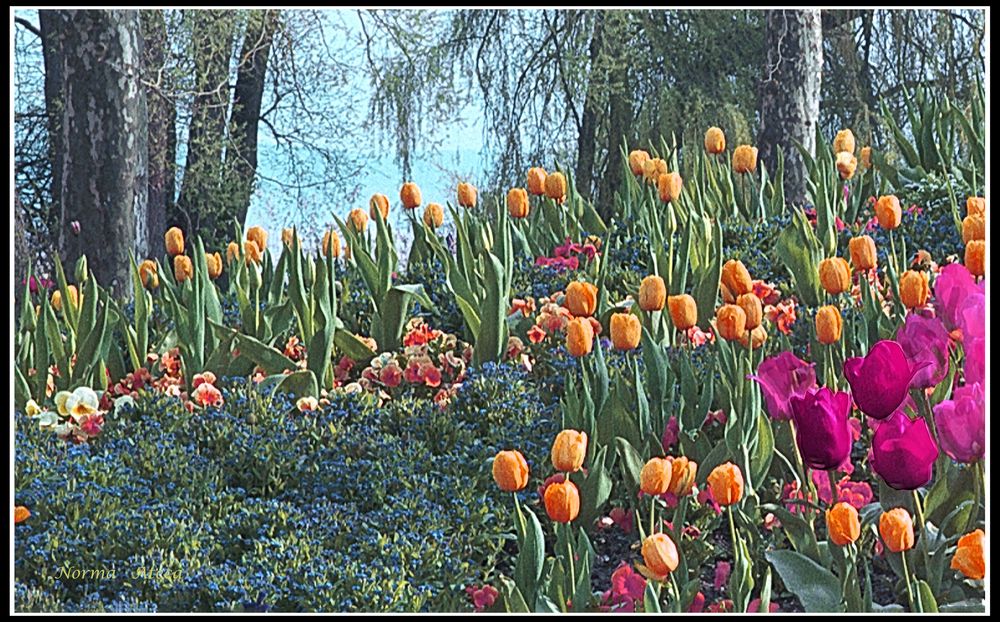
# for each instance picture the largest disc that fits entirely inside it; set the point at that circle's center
(20, 255)
(52, 57)
(161, 115)
(200, 196)
(102, 151)
(592, 107)
(790, 93)
(241, 155)
(619, 117)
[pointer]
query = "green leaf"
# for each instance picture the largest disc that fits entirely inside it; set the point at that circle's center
(531, 555)
(817, 588)
(298, 384)
(271, 359)
(927, 599)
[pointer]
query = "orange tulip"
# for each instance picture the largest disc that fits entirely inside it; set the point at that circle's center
(968, 557)
(914, 289)
(409, 194)
(863, 255)
(331, 244)
(652, 169)
(842, 524)
(510, 471)
(726, 483)
(731, 322)
(745, 159)
(888, 212)
(232, 252)
(562, 501)
(659, 554)
(21, 514)
(378, 204)
(829, 324)
(736, 277)
(753, 309)
(975, 206)
(683, 311)
(433, 215)
(846, 165)
(844, 141)
(896, 529)
(652, 293)
(670, 185)
(975, 257)
(581, 298)
(174, 240)
(183, 269)
(626, 331)
(569, 451)
(579, 337)
(636, 160)
(214, 263)
(287, 236)
(467, 195)
(149, 274)
(555, 187)
(536, 180)
(655, 477)
(755, 338)
(252, 252)
(358, 219)
(835, 275)
(259, 236)
(518, 205)
(715, 141)
(682, 475)
(973, 228)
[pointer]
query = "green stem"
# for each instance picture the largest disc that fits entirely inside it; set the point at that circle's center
(572, 566)
(677, 593)
(652, 514)
(906, 578)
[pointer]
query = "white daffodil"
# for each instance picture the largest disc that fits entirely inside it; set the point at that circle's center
(83, 401)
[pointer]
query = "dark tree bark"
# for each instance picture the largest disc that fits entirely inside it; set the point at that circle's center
(586, 144)
(52, 58)
(20, 254)
(211, 42)
(102, 142)
(161, 115)
(790, 93)
(619, 117)
(241, 155)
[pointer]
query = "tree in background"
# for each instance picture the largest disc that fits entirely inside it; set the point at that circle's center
(790, 90)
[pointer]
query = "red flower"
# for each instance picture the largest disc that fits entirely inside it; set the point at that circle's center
(207, 395)
(536, 334)
(391, 375)
(432, 376)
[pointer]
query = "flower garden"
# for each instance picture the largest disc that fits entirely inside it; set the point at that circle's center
(716, 402)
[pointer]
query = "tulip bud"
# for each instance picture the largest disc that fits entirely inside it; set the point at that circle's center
(409, 194)
(148, 274)
(896, 529)
(174, 241)
(726, 483)
(517, 203)
(652, 293)
(745, 159)
(252, 252)
(258, 235)
(581, 298)
(968, 558)
(466, 195)
(914, 289)
(637, 160)
(846, 165)
(730, 322)
(755, 338)
(682, 475)
(973, 228)
(510, 471)
(670, 185)
(81, 271)
(835, 275)
(866, 157)
(331, 244)
(862, 250)
(536, 180)
(579, 337)
(626, 331)
(214, 263)
(715, 141)
(843, 524)
(379, 204)
(555, 187)
(569, 450)
(232, 252)
(358, 219)
(753, 309)
(975, 257)
(975, 206)
(287, 236)
(183, 269)
(829, 324)
(659, 554)
(652, 169)
(736, 277)
(888, 212)
(654, 479)
(562, 501)
(844, 141)
(683, 311)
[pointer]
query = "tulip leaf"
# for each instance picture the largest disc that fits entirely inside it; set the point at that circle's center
(298, 384)
(594, 490)
(817, 588)
(651, 599)
(763, 454)
(799, 533)
(269, 358)
(531, 556)
(512, 598)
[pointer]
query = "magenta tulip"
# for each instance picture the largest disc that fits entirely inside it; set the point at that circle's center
(821, 428)
(880, 380)
(925, 340)
(903, 452)
(961, 424)
(782, 377)
(953, 287)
